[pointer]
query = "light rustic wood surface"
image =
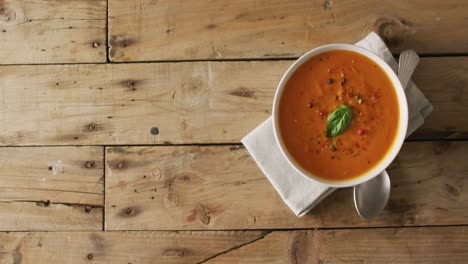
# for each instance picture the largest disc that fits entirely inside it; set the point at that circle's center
(52, 31)
(208, 187)
(190, 102)
(51, 188)
(388, 245)
(104, 160)
(174, 30)
(119, 247)
(393, 245)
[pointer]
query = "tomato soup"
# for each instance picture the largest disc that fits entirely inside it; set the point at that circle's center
(331, 91)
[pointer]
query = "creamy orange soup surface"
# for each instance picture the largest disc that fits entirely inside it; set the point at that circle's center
(314, 91)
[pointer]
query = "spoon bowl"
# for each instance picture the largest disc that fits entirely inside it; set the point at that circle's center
(371, 197)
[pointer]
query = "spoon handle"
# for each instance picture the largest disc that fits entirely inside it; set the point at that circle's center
(408, 61)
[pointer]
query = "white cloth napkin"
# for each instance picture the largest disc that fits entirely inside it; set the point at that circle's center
(302, 194)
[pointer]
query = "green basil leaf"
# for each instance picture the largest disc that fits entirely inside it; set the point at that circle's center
(339, 120)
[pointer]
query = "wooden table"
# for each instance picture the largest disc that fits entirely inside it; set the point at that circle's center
(122, 120)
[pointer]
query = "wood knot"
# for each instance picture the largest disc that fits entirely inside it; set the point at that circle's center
(400, 206)
(95, 44)
(236, 148)
(180, 252)
(211, 26)
(92, 127)
(193, 93)
(7, 15)
(128, 211)
(411, 219)
(88, 209)
(298, 244)
(327, 5)
(244, 92)
(120, 165)
(393, 30)
(89, 164)
(43, 203)
(121, 41)
(203, 213)
(130, 83)
(251, 220)
(452, 191)
(441, 147)
(171, 200)
(90, 256)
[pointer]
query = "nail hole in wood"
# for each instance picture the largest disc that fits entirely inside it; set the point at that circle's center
(88, 208)
(89, 164)
(154, 131)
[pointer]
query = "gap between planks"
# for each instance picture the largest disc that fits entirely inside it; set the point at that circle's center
(395, 55)
(266, 230)
(199, 144)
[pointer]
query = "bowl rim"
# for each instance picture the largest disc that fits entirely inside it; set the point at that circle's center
(402, 126)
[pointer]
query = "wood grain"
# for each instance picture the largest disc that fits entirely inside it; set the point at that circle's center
(172, 30)
(191, 102)
(52, 31)
(221, 187)
(402, 245)
(389, 245)
(444, 82)
(118, 247)
(51, 188)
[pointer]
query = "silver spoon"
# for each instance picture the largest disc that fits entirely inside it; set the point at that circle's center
(371, 197)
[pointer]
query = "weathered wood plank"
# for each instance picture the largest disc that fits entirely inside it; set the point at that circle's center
(52, 31)
(118, 247)
(51, 188)
(402, 245)
(445, 83)
(389, 245)
(196, 102)
(221, 187)
(173, 30)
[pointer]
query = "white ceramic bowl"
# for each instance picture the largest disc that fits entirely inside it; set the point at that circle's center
(403, 119)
